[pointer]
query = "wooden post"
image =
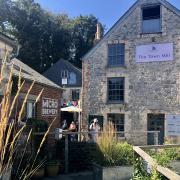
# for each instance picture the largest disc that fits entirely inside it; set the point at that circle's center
(66, 153)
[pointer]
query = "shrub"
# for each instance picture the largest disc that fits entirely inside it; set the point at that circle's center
(165, 156)
(109, 151)
(123, 154)
(38, 125)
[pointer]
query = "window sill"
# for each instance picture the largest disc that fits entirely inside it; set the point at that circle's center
(111, 103)
(116, 66)
(146, 33)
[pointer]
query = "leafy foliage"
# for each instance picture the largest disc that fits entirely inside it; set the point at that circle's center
(109, 151)
(45, 37)
(123, 154)
(163, 157)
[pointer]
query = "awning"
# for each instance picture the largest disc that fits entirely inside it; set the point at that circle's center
(71, 109)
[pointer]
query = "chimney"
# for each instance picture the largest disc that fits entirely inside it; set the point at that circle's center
(98, 32)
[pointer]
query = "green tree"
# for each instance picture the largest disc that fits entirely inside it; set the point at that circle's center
(45, 37)
(83, 35)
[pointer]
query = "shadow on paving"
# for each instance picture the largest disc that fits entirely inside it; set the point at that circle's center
(74, 176)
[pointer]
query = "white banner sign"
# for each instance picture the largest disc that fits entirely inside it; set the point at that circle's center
(49, 107)
(154, 52)
(173, 125)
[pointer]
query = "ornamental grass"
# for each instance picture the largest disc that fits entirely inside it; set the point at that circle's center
(110, 151)
(11, 134)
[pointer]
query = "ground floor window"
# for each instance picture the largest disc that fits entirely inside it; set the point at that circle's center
(30, 109)
(118, 121)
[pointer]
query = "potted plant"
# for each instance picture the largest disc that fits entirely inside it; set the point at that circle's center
(52, 167)
(39, 173)
(40, 168)
(113, 160)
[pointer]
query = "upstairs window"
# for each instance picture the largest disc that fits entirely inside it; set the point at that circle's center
(116, 54)
(64, 77)
(64, 74)
(72, 78)
(151, 19)
(116, 90)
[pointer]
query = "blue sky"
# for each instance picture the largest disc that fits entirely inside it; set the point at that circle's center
(107, 11)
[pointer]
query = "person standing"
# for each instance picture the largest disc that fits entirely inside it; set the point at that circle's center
(64, 125)
(72, 128)
(94, 129)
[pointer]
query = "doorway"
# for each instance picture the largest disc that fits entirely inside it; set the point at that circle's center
(155, 122)
(68, 116)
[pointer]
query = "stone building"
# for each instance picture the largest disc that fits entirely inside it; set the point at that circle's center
(132, 75)
(7, 45)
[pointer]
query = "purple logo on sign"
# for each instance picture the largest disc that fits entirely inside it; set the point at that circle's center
(154, 52)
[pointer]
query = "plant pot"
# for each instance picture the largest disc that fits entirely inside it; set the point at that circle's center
(112, 173)
(52, 169)
(39, 173)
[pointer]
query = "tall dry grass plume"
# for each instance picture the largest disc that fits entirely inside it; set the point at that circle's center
(10, 132)
(106, 141)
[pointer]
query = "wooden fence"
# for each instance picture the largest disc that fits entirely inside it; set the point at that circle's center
(162, 170)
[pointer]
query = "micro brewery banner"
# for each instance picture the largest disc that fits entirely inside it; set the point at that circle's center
(49, 107)
(173, 125)
(154, 52)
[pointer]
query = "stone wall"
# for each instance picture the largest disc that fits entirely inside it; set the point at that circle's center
(151, 87)
(5, 48)
(5, 52)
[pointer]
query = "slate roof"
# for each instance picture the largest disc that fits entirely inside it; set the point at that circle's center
(54, 73)
(122, 18)
(30, 74)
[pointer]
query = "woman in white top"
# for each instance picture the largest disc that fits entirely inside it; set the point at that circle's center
(94, 128)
